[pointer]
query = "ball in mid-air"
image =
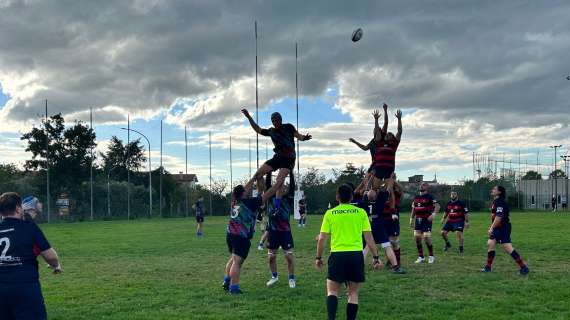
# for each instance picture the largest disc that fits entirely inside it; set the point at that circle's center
(357, 35)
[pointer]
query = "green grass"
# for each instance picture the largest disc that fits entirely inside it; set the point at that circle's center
(158, 269)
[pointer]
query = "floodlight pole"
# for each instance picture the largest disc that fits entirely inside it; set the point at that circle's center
(256, 102)
(109, 191)
(149, 171)
(566, 159)
(555, 178)
(48, 196)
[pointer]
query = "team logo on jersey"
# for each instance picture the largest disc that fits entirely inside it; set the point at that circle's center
(235, 212)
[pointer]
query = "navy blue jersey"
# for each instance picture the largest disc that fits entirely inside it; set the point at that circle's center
(368, 206)
(280, 220)
(20, 243)
(500, 208)
(199, 207)
(283, 139)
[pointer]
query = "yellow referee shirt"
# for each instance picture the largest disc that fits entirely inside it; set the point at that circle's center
(345, 224)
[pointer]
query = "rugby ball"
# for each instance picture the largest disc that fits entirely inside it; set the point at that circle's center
(568, 78)
(357, 35)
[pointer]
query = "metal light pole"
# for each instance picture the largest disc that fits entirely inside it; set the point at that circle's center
(297, 108)
(555, 178)
(256, 102)
(186, 169)
(149, 172)
(161, 173)
(210, 148)
(48, 196)
(566, 159)
(109, 191)
(127, 165)
(91, 165)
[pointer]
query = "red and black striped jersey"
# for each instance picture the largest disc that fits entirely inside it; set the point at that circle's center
(388, 211)
(385, 154)
(456, 211)
(424, 205)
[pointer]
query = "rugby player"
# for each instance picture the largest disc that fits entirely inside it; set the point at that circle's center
(240, 230)
(303, 211)
(424, 209)
(199, 209)
(282, 135)
(345, 224)
(280, 236)
(500, 231)
(371, 146)
(20, 244)
(455, 219)
(31, 207)
(384, 162)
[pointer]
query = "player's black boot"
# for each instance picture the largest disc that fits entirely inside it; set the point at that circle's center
(226, 286)
(486, 269)
(446, 247)
(524, 270)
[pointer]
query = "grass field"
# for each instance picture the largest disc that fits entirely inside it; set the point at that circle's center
(158, 269)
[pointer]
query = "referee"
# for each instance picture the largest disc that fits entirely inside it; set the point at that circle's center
(346, 224)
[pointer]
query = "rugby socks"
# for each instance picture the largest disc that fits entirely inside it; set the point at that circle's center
(226, 279)
(490, 258)
(273, 274)
(234, 288)
(332, 304)
(460, 249)
(291, 277)
(518, 258)
(397, 253)
(351, 311)
(430, 249)
(420, 248)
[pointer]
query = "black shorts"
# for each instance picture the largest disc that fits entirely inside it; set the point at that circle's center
(391, 227)
(423, 225)
(379, 231)
(383, 172)
(22, 301)
(370, 169)
(502, 235)
(199, 219)
(238, 245)
(283, 239)
(454, 226)
(278, 162)
(346, 266)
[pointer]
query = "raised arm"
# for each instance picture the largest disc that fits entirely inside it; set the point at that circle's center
(251, 121)
(399, 117)
(385, 126)
(377, 132)
(301, 137)
(360, 145)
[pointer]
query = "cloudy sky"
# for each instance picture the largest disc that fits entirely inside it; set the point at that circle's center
(479, 76)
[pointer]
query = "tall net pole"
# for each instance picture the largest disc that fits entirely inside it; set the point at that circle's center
(210, 149)
(48, 196)
(91, 168)
(161, 172)
(297, 107)
(256, 101)
(128, 155)
(186, 168)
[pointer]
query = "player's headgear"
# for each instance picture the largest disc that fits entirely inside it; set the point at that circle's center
(276, 116)
(30, 203)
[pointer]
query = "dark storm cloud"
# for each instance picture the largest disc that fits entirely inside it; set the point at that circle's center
(463, 59)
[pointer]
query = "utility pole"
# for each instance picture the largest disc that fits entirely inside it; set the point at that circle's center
(48, 196)
(566, 159)
(161, 173)
(555, 178)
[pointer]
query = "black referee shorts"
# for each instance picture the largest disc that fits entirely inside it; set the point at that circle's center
(346, 266)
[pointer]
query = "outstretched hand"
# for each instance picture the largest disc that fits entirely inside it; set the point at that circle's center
(399, 114)
(352, 140)
(376, 114)
(307, 137)
(245, 113)
(385, 107)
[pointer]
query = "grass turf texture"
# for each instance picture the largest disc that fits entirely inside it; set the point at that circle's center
(159, 269)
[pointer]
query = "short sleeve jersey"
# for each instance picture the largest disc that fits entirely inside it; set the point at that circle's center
(388, 210)
(243, 216)
(20, 243)
(424, 205)
(385, 154)
(280, 220)
(456, 211)
(500, 208)
(283, 139)
(345, 224)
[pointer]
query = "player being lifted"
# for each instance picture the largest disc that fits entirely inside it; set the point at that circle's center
(424, 209)
(384, 162)
(455, 219)
(283, 137)
(376, 133)
(500, 231)
(279, 233)
(240, 231)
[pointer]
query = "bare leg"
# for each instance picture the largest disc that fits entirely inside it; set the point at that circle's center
(290, 262)
(235, 269)
(390, 255)
(272, 259)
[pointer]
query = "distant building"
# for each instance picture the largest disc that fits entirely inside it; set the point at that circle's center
(538, 194)
(190, 179)
(419, 178)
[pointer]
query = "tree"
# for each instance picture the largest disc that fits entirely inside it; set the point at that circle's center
(312, 178)
(119, 156)
(532, 175)
(557, 174)
(69, 152)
